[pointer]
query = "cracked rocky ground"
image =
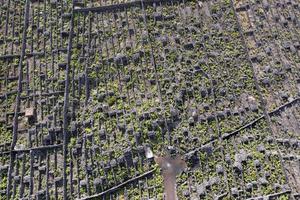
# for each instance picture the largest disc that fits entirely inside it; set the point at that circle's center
(86, 87)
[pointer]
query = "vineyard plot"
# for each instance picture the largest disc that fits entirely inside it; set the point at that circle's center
(87, 86)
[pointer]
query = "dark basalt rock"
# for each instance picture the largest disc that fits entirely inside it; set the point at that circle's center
(177, 40)
(154, 125)
(193, 159)
(129, 131)
(267, 174)
(267, 69)
(286, 142)
(284, 96)
(136, 57)
(141, 150)
(64, 34)
(98, 183)
(227, 159)
(41, 152)
(121, 59)
(269, 139)
(222, 91)
(189, 46)
(213, 54)
(206, 107)
(261, 148)
(73, 128)
(227, 112)
(26, 180)
(95, 149)
(219, 169)
(246, 139)
(146, 115)
(53, 2)
(266, 81)
(113, 163)
(121, 161)
(257, 163)
(151, 135)
(77, 150)
(234, 192)
(66, 15)
(128, 157)
(158, 16)
(122, 127)
(4, 168)
(286, 45)
(78, 3)
(210, 118)
(265, 4)
(249, 187)
(241, 111)
(186, 193)
(190, 92)
(263, 181)
(179, 99)
(221, 115)
(89, 137)
(242, 156)
(208, 148)
(102, 134)
(268, 51)
(164, 40)
(294, 143)
(41, 195)
(47, 140)
(137, 137)
(238, 168)
(191, 121)
(58, 181)
(87, 123)
(83, 183)
(254, 108)
(185, 132)
(131, 31)
(135, 161)
(112, 113)
(201, 190)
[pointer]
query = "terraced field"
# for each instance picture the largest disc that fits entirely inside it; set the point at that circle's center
(87, 86)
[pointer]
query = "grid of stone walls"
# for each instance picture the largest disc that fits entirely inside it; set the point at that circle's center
(86, 86)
